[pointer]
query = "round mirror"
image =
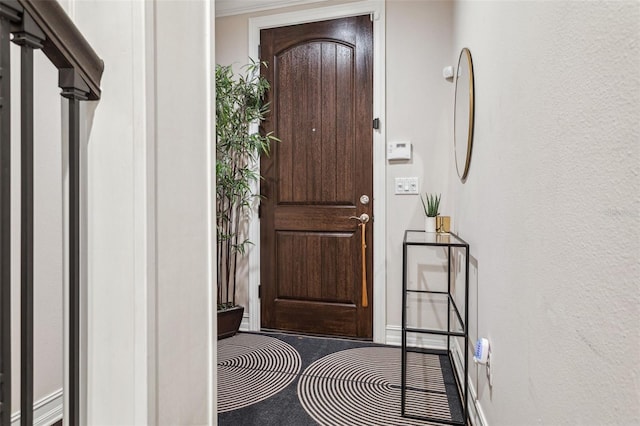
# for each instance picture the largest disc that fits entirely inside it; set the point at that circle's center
(463, 114)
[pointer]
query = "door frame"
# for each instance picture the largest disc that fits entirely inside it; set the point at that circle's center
(376, 8)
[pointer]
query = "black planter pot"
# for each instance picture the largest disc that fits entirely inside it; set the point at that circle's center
(229, 321)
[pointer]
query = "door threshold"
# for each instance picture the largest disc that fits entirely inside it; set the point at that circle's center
(311, 335)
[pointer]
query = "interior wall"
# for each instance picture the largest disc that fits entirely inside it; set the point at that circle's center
(48, 273)
(551, 207)
(150, 322)
(116, 133)
(184, 79)
(418, 110)
(48, 268)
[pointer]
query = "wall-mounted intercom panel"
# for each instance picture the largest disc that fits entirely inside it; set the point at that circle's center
(399, 151)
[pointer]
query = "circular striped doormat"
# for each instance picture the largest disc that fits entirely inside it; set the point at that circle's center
(362, 387)
(252, 368)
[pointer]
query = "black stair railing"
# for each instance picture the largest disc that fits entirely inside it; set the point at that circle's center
(29, 37)
(39, 25)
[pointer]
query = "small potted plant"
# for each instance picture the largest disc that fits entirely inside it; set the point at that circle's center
(431, 207)
(240, 107)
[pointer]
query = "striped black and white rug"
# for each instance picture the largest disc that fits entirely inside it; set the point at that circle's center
(252, 368)
(281, 379)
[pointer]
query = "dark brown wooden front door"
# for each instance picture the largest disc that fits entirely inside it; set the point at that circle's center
(321, 108)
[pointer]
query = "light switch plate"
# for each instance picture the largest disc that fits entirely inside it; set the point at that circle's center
(406, 186)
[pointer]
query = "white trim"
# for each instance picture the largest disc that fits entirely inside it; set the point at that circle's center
(394, 337)
(476, 414)
(144, 236)
(379, 173)
(377, 9)
(212, 306)
(234, 7)
(245, 325)
(147, 393)
(46, 411)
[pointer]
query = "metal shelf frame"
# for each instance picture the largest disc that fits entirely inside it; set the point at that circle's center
(447, 241)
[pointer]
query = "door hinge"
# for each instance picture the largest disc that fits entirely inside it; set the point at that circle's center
(259, 291)
(260, 52)
(259, 211)
(1, 394)
(376, 123)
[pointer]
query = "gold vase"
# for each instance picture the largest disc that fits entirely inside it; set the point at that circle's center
(443, 223)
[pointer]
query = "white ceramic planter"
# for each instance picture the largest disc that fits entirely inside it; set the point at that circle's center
(430, 224)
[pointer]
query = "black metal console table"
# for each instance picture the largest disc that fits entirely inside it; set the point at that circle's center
(447, 241)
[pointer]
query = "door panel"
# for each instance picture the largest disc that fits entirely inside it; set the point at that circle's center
(317, 278)
(321, 108)
(316, 171)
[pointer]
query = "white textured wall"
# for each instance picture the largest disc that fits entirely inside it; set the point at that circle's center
(551, 207)
(419, 111)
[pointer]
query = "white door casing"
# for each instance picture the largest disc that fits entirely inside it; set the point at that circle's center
(376, 8)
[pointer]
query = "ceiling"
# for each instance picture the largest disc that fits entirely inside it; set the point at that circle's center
(236, 7)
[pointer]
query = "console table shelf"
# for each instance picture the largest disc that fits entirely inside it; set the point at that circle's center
(448, 242)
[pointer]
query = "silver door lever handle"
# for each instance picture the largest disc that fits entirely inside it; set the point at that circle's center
(363, 218)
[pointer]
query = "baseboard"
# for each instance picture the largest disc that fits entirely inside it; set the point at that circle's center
(476, 415)
(394, 337)
(46, 411)
(244, 325)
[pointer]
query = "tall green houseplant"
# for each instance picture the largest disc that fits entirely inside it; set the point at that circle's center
(240, 108)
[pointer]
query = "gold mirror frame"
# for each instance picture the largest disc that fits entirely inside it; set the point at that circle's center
(463, 121)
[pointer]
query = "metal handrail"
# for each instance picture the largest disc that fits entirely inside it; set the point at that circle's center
(40, 25)
(64, 45)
